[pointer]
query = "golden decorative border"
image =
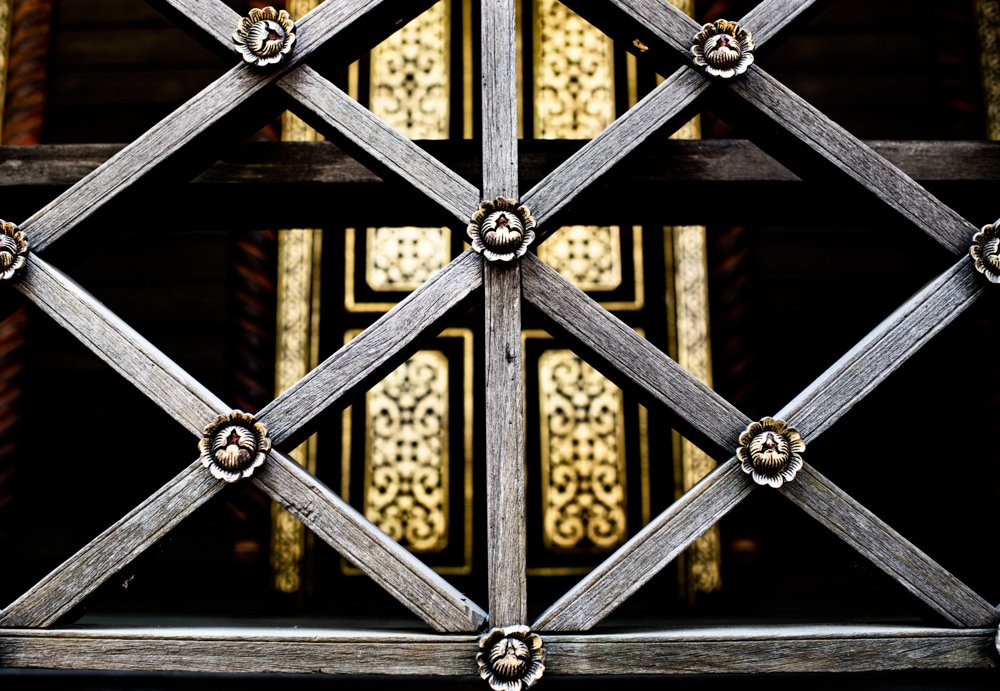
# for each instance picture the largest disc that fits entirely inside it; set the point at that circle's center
(5, 27)
(988, 23)
(467, 384)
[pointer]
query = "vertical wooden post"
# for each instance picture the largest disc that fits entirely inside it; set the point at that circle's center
(504, 406)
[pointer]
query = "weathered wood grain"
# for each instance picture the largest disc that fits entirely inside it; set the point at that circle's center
(120, 346)
(506, 537)
(630, 360)
(853, 159)
(498, 38)
(388, 563)
(383, 147)
(771, 649)
(112, 550)
(652, 548)
(733, 650)
(888, 550)
(883, 350)
(190, 120)
(667, 105)
(376, 350)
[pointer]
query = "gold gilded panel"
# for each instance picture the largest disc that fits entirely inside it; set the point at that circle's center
(409, 78)
(988, 17)
(574, 75)
(406, 464)
(583, 464)
(589, 256)
(403, 258)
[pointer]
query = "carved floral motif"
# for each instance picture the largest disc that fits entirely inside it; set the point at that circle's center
(13, 250)
(265, 36)
(511, 658)
(770, 451)
(233, 446)
(501, 230)
(724, 49)
(985, 251)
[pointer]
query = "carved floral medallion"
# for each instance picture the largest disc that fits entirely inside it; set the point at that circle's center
(770, 452)
(985, 251)
(265, 36)
(501, 230)
(13, 250)
(511, 658)
(724, 49)
(234, 446)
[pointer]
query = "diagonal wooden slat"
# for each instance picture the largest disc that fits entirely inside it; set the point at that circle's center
(385, 149)
(178, 129)
(883, 350)
(375, 351)
(120, 346)
(322, 103)
(77, 577)
(506, 536)
(634, 563)
(888, 550)
(632, 361)
(823, 137)
(666, 106)
(388, 563)
(853, 158)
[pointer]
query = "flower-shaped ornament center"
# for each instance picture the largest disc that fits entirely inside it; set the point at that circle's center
(502, 232)
(509, 658)
(722, 51)
(769, 452)
(233, 446)
(266, 39)
(13, 249)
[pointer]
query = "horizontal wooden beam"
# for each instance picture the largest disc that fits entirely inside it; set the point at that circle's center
(664, 181)
(732, 650)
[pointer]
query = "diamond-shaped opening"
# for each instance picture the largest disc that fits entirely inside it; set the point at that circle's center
(89, 448)
(918, 451)
(788, 301)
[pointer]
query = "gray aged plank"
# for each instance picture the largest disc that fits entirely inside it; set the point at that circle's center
(506, 536)
(389, 564)
(111, 551)
(771, 649)
(642, 557)
(711, 421)
(324, 651)
(120, 346)
(386, 146)
(180, 127)
(883, 350)
(888, 550)
(850, 156)
(376, 350)
(499, 98)
(666, 105)
(240, 650)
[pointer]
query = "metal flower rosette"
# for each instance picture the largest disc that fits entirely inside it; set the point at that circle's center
(724, 49)
(234, 446)
(511, 658)
(265, 36)
(985, 251)
(13, 250)
(770, 452)
(501, 230)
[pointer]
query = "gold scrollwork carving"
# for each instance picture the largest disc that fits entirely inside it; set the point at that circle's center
(399, 259)
(410, 76)
(583, 464)
(406, 469)
(589, 256)
(988, 16)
